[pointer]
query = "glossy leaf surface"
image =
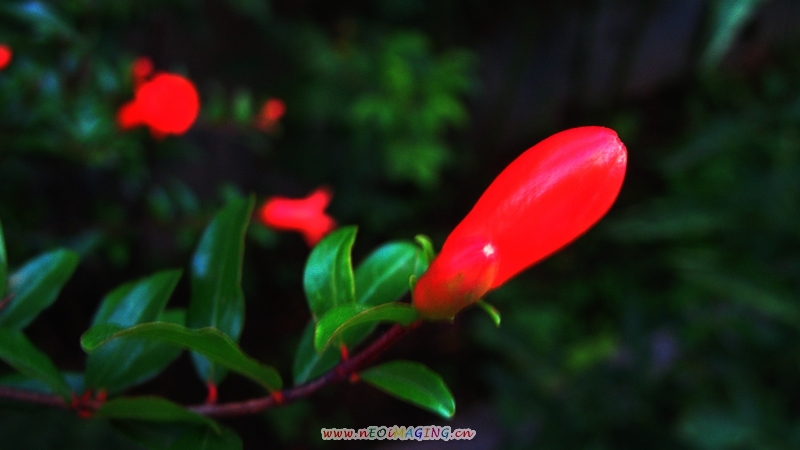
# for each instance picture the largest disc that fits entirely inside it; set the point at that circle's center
(18, 352)
(216, 271)
(209, 342)
(35, 286)
(153, 409)
(340, 318)
(328, 279)
(414, 383)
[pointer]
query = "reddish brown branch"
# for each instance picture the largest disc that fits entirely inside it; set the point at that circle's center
(341, 372)
(9, 393)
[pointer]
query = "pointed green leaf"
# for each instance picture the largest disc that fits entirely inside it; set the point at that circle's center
(138, 301)
(207, 439)
(343, 317)
(328, 279)
(308, 364)
(216, 271)
(209, 342)
(41, 16)
(35, 286)
(383, 275)
(74, 382)
(427, 249)
(119, 365)
(493, 313)
(18, 352)
(728, 18)
(152, 409)
(414, 383)
(3, 264)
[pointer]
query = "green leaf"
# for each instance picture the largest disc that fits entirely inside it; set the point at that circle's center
(152, 409)
(309, 364)
(41, 17)
(342, 317)
(18, 352)
(728, 16)
(414, 383)
(427, 250)
(3, 264)
(328, 279)
(138, 301)
(383, 276)
(493, 313)
(208, 439)
(35, 286)
(119, 365)
(209, 342)
(216, 272)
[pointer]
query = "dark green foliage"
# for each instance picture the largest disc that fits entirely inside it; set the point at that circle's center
(672, 325)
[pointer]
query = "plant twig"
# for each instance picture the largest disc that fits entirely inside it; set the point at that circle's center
(341, 372)
(9, 393)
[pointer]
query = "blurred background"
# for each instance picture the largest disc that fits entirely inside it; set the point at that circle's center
(673, 324)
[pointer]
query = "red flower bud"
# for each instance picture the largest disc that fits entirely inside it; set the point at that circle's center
(305, 215)
(5, 56)
(546, 198)
(141, 69)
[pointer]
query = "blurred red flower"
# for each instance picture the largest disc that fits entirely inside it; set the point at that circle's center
(141, 69)
(306, 215)
(546, 198)
(270, 113)
(5, 56)
(167, 104)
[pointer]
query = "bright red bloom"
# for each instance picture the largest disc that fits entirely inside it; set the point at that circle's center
(306, 215)
(271, 112)
(167, 104)
(5, 56)
(546, 198)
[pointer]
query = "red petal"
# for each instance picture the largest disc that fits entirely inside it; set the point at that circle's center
(547, 197)
(129, 115)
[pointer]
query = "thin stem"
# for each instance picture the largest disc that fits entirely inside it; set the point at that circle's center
(38, 398)
(339, 373)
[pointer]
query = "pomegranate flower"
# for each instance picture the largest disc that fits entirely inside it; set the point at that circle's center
(306, 215)
(546, 198)
(270, 113)
(141, 69)
(167, 104)
(5, 56)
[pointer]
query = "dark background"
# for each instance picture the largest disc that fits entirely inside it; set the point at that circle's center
(672, 324)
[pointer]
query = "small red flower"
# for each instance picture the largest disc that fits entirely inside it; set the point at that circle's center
(271, 112)
(545, 199)
(5, 56)
(141, 69)
(167, 104)
(305, 215)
